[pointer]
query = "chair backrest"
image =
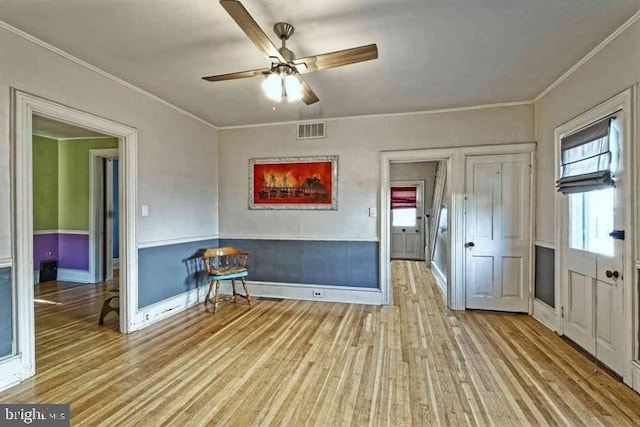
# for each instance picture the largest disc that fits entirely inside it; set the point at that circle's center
(228, 256)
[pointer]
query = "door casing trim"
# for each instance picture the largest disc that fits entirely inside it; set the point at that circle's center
(24, 105)
(455, 158)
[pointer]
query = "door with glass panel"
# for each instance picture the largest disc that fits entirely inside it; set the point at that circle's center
(407, 230)
(592, 181)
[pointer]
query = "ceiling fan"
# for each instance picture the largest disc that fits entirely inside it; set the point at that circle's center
(284, 77)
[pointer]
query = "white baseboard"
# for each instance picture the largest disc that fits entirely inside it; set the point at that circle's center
(11, 372)
(545, 314)
(635, 375)
(343, 294)
(68, 275)
(73, 275)
(441, 280)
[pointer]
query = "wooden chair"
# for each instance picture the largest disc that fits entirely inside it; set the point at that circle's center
(224, 264)
(107, 307)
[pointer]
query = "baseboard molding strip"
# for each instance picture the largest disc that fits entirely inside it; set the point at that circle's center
(545, 314)
(342, 294)
(441, 280)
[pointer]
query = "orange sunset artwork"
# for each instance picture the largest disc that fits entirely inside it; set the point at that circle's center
(292, 183)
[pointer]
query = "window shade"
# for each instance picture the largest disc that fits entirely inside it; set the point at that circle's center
(586, 159)
(403, 197)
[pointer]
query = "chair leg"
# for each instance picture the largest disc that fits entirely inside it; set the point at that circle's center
(206, 300)
(233, 290)
(215, 304)
(246, 292)
(106, 309)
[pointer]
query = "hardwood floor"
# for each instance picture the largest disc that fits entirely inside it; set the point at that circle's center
(312, 363)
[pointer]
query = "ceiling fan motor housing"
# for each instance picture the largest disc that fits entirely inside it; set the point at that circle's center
(283, 30)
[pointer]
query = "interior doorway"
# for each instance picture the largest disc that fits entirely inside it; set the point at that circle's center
(104, 213)
(21, 363)
(449, 218)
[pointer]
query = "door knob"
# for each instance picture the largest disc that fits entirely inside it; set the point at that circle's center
(417, 231)
(469, 244)
(403, 230)
(615, 274)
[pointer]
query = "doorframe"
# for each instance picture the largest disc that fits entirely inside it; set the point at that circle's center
(24, 106)
(96, 269)
(455, 159)
(622, 101)
(419, 183)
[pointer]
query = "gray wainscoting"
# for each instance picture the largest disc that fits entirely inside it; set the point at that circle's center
(167, 271)
(6, 312)
(545, 279)
(339, 263)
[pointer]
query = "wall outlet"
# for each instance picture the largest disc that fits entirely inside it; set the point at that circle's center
(318, 293)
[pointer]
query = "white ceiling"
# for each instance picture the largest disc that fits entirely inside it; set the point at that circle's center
(57, 130)
(432, 54)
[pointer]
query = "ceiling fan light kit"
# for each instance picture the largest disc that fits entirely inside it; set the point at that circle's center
(284, 76)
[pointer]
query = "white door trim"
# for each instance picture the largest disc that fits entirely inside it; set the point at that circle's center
(622, 101)
(24, 106)
(95, 210)
(455, 160)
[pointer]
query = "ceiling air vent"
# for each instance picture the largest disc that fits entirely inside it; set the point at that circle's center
(312, 130)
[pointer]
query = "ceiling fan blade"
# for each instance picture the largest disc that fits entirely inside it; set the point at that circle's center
(308, 95)
(238, 75)
(251, 28)
(337, 59)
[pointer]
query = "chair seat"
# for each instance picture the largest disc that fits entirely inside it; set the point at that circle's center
(228, 273)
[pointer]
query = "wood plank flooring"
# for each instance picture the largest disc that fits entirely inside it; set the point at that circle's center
(296, 363)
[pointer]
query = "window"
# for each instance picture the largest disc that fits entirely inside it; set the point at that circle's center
(404, 217)
(591, 219)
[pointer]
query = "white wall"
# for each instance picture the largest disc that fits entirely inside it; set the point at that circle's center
(609, 72)
(358, 143)
(177, 175)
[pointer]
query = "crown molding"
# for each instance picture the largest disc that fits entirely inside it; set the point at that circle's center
(97, 70)
(44, 135)
(604, 43)
(375, 116)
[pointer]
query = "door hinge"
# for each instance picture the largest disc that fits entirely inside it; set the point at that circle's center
(530, 169)
(562, 311)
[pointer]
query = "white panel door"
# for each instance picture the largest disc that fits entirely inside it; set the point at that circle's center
(407, 225)
(497, 232)
(593, 274)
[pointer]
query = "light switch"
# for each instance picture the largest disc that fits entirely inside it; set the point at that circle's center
(145, 210)
(372, 212)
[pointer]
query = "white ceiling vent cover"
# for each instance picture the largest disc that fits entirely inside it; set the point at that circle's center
(313, 130)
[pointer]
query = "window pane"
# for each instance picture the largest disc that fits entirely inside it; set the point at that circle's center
(405, 217)
(591, 217)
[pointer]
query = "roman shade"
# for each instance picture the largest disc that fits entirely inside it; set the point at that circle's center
(586, 159)
(403, 197)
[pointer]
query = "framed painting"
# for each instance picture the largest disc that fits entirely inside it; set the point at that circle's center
(307, 183)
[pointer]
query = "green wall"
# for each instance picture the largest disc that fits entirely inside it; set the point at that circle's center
(73, 180)
(61, 182)
(45, 183)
